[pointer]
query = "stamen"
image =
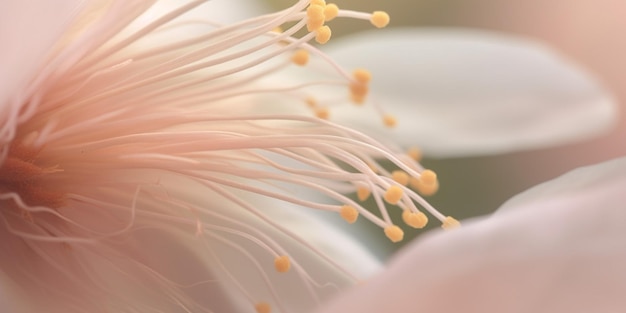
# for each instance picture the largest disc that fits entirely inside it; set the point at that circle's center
(415, 154)
(330, 12)
(390, 120)
(300, 57)
(362, 76)
(414, 219)
(450, 223)
(428, 177)
(393, 194)
(349, 214)
(282, 264)
(263, 307)
(427, 184)
(363, 193)
(322, 34)
(380, 19)
(394, 233)
(322, 113)
(315, 17)
(400, 177)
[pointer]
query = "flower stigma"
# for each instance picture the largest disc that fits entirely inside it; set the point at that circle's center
(131, 129)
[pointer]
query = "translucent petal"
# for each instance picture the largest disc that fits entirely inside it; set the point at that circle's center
(562, 251)
(463, 92)
(28, 31)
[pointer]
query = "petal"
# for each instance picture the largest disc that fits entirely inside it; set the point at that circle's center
(559, 253)
(28, 31)
(465, 92)
(322, 235)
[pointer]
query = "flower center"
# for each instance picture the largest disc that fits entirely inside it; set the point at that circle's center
(22, 181)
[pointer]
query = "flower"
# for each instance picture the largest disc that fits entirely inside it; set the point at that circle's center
(557, 247)
(148, 162)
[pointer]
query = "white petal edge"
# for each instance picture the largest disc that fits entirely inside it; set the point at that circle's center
(460, 92)
(558, 253)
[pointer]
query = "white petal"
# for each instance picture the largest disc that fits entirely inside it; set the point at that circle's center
(559, 253)
(326, 238)
(464, 92)
(28, 31)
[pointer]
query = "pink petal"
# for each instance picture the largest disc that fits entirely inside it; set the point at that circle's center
(29, 29)
(562, 250)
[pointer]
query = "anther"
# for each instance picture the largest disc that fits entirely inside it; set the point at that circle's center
(363, 193)
(394, 233)
(349, 214)
(311, 102)
(322, 113)
(390, 120)
(330, 12)
(300, 57)
(282, 264)
(450, 222)
(424, 189)
(358, 92)
(362, 75)
(318, 2)
(323, 35)
(263, 307)
(413, 219)
(415, 154)
(400, 177)
(428, 177)
(379, 19)
(393, 194)
(315, 17)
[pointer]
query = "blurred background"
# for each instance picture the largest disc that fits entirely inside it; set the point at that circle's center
(589, 32)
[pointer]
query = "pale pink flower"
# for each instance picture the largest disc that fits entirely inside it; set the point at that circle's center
(558, 247)
(153, 159)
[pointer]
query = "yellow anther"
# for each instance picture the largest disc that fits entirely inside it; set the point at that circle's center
(322, 113)
(318, 2)
(300, 57)
(450, 222)
(393, 194)
(323, 35)
(379, 19)
(390, 120)
(330, 12)
(349, 214)
(414, 219)
(424, 189)
(362, 76)
(277, 29)
(394, 233)
(401, 177)
(358, 92)
(415, 154)
(315, 17)
(263, 307)
(311, 102)
(428, 177)
(282, 264)
(362, 193)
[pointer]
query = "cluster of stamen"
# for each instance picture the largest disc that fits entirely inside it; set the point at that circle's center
(229, 154)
